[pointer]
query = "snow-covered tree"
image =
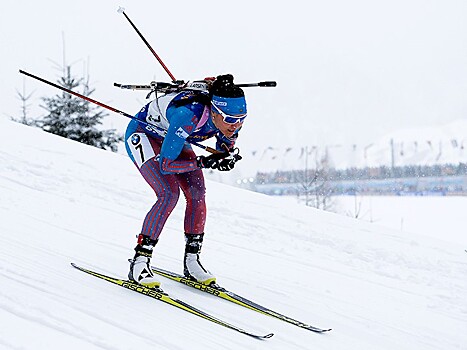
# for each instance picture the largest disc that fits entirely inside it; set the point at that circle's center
(75, 118)
(315, 184)
(24, 98)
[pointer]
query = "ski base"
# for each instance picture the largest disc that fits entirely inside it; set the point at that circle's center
(223, 293)
(159, 294)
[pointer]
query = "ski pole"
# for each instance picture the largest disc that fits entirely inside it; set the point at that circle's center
(103, 105)
(122, 10)
(76, 94)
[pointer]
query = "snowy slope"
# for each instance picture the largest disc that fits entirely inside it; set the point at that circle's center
(61, 201)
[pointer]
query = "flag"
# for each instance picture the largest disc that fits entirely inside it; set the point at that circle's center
(302, 152)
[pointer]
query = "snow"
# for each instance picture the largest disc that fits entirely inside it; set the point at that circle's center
(428, 145)
(441, 217)
(62, 202)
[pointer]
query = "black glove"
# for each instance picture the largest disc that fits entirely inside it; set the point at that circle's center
(228, 164)
(219, 160)
(210, 162)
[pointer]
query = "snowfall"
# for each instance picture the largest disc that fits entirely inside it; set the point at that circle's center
(63, 202)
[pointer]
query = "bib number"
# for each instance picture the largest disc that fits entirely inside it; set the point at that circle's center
(140, 148)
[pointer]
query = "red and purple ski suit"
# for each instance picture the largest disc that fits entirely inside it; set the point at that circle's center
(159, 147)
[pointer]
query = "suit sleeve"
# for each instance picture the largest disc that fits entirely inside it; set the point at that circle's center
(224, 140)
(182, 124)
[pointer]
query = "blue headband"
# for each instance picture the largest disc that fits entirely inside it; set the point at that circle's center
(230, 105)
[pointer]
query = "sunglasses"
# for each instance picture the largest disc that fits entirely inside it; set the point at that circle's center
(229, 119)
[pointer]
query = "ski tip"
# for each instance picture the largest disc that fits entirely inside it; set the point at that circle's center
(260, 337)
(76, 266)
(121, 9)
(317, 330)
(325, 330)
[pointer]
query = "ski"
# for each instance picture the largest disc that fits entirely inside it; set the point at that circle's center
(223, 293)
(158, 294)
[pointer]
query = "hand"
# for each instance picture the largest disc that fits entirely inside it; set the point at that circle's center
(210, 162)
(219, 160)
(228, 164)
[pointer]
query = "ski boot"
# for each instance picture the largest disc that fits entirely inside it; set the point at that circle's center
(192, 267)
(140, 270)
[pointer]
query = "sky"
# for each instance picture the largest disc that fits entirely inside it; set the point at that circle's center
(347, 72)
(62, 202)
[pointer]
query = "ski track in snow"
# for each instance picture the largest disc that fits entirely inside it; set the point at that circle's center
(61, 201)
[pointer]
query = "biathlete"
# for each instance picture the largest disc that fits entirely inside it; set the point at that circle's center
(158, 142)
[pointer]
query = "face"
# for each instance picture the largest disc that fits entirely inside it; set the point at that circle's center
(227, 129)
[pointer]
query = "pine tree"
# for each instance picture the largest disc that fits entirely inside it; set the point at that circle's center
(24, 98)
(77, 119)
(316, 183)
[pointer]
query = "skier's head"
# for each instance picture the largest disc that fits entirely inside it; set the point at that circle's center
(228, 105)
